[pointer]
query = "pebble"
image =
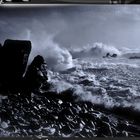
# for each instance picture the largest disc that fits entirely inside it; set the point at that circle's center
(4, 125)
(60, 102)
(60, 119)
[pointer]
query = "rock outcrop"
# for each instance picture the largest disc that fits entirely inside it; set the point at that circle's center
(114, 55)
(13, 61)
(14, 56)
(134, 57)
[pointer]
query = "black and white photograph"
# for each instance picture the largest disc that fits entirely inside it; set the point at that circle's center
(70, 71)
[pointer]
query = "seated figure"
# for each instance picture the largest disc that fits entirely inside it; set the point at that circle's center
(36, 74)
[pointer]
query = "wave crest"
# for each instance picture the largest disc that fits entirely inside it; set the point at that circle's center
(95, 50)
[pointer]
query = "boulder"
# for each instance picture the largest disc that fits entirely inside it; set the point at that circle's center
(107, 55)
(114, 55)
(13, 61)
(134, 57)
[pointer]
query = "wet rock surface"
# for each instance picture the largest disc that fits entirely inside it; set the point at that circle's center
(43, 116)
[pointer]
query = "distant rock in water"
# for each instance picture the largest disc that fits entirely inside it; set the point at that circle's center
(109, 55)
(114, 55)
(36, 74)
(134, 57)
(13, 61)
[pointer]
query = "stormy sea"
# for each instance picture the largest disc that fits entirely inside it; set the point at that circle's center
(92, 95)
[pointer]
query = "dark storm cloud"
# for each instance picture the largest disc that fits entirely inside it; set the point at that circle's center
(72, 26)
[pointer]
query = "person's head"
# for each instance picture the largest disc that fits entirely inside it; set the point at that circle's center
(38, 60)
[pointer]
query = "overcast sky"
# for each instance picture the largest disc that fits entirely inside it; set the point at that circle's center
(73, 26)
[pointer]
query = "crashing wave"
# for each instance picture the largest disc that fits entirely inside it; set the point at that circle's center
(57, 58)
(96, 50)
(106, 84)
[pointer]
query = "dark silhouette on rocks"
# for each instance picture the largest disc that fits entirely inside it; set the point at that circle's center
(36, 75)
(13, 61)
(107, 55)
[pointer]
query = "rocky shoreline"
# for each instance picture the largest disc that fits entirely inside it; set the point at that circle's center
(14, 77)
(27, 111)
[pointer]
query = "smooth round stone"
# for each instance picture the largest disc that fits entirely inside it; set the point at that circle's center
(4, 125)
